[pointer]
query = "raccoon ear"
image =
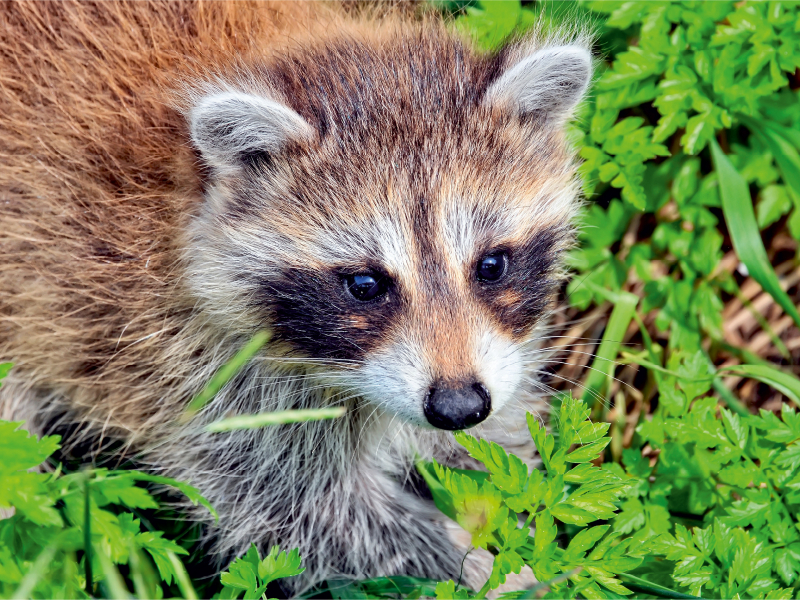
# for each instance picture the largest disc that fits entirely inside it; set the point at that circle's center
(231, 127)
(547, 84)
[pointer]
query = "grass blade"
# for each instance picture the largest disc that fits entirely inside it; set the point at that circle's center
(113, 580)
(279, 417)
(226, 373)
(605, 359)
(782, 150)
(36, 571)
(145, 580)
(737, 206)
(729, 398)
(637, 584)
(182, 577)
(786, 384)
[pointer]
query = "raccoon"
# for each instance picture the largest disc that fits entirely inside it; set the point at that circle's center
(389, 203)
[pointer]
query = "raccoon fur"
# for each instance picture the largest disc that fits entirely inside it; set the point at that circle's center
(387, 202)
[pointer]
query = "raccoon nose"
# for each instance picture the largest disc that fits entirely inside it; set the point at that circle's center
(457, 407)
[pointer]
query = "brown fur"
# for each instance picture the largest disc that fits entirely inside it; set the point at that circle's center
(97, 176)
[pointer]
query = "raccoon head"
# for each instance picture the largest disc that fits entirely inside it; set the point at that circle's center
(393, 210)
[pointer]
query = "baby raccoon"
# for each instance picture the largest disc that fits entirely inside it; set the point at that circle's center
(387, 202)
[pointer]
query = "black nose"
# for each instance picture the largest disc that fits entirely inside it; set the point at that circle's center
(457, 407)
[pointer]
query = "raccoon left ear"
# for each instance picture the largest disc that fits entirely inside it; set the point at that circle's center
(230, 127)
(547, 84)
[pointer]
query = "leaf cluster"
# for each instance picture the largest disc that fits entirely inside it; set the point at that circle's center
(53, 541)
(250, 575)
(569, 489)
(721, 501)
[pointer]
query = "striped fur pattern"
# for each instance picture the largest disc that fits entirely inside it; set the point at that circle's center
(177, 176)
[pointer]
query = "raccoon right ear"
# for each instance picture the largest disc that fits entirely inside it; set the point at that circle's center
(547, 84)
(229, 128)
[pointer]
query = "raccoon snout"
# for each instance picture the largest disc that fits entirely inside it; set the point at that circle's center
(457, 407)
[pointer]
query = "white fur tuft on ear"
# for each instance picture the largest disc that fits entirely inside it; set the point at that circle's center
(227, 127)
(550, 82)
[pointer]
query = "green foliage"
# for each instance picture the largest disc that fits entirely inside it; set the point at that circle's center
(568, 490)
(697, 70)
(49, 520)
(251, 574)
(721, 503)
(43, 545)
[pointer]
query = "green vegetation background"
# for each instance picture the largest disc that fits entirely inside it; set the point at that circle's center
(688, 482)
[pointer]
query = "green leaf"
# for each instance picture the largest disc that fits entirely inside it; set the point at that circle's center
(775, 203)
(699, 131)
(785, 154)
(22, 451)
(545, 532)
(509, 473)
(446, 590)
(4, 370)
(123, 490)
(571, 514)
(631, 517)
(583, 541)
(441, 497)
(787, 566)
(191, 492)
(589, 452)
(736, 430)
(278, 565)
(786, 384)
(740, 217)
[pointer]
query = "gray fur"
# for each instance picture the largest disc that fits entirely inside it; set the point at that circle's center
(550, 82)
(226, 126)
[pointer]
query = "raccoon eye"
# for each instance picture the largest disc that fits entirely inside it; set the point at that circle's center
(492, 266)
(366, 286)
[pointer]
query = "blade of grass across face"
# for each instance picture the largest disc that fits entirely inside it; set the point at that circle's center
(605, 359)
(226, 373)
(786, 384)
(737, 206)
(280, 417)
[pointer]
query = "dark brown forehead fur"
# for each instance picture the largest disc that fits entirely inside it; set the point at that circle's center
(400, 110)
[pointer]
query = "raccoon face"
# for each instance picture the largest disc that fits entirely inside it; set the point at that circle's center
(401, 223)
